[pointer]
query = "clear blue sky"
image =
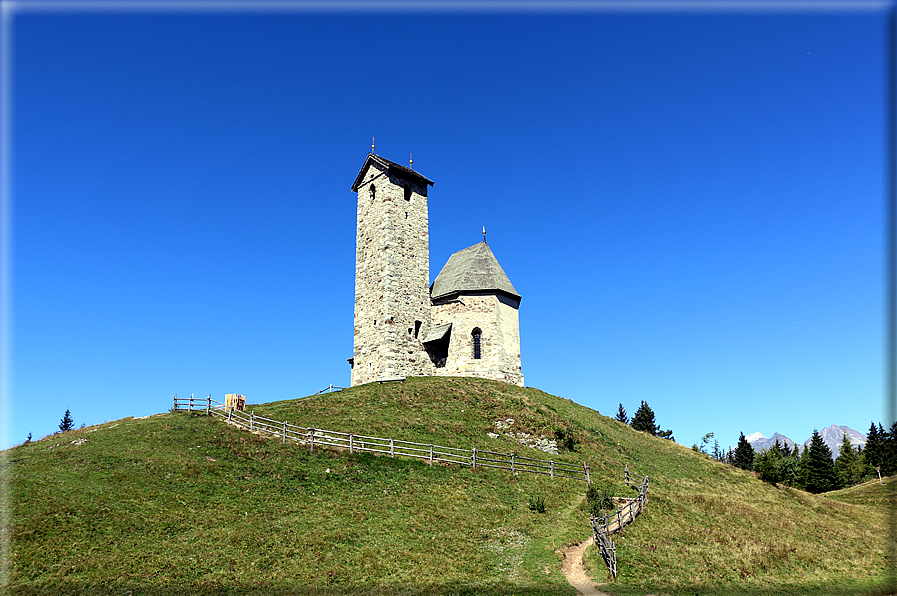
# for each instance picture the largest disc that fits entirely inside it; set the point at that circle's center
(691, 203)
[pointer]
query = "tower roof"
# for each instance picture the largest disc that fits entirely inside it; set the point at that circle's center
(474, 269)
(392, 167)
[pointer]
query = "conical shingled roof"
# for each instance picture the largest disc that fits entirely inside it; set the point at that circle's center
(474, 269)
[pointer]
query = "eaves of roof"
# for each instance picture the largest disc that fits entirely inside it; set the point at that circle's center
(392, 167)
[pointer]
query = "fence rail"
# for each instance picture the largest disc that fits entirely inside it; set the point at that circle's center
(432, 453)
(603, 527)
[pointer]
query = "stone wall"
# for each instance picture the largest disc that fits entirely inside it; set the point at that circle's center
(392, 271)
(496, 316)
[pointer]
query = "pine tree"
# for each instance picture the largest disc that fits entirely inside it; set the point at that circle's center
(790, 471)
(874, 450)
(769, 464)
(786, 449)
(66, 423)
(643, 420)
(621, 415)
(889, 451)
(819, 472)
(730, 457)
(848, 464)
(743, 457)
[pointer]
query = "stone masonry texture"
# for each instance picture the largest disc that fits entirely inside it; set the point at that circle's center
(393, 309)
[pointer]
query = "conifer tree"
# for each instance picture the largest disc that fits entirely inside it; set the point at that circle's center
(889, 451)
(818, 469)
(743, 457)
(621, 415)
(66, 423)
(790, 471)
(872, 454)
(848, 464)
(643, 420)
(769, 465)
(786, 449)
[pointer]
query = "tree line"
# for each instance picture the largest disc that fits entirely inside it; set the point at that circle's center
(643, 420)
(814, 468)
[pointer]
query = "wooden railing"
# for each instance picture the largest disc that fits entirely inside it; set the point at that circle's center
(432, 453)
(191, 404)
(603, 527)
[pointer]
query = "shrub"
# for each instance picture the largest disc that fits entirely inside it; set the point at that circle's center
(566, 440)
(537, 503)
(599, 501)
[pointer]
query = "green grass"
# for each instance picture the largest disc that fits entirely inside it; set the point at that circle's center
(185, 504)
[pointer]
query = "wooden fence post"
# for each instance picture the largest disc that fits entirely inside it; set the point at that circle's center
(190, 404)
(551, 467)
(473, 458)
(513, 471)
(284, 435)
(588, 477)
(351, 437)
(209, 405)
(311, 439)
(174, 402)
(431, 455)
(251, 420)
(392, 448)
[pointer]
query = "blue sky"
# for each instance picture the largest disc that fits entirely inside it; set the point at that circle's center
(690, 202)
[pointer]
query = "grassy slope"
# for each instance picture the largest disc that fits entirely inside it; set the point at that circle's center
(173, 503)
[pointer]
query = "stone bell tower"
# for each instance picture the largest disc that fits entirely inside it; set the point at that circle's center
(392, 272)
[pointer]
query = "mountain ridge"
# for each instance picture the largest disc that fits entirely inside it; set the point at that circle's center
(832, 436)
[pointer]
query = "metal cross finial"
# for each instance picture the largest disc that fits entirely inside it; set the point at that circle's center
(484, 234)
(372, 144)
(411, 160)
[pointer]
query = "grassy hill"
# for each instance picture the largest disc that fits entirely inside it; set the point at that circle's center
(178, 504)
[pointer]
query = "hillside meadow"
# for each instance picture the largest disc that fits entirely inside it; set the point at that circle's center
(185, 504)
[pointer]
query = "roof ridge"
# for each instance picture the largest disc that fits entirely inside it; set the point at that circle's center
(475, 269)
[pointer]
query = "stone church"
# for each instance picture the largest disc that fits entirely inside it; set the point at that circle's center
(463, 325)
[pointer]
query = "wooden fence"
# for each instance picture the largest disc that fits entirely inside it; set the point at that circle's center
(603, 527)
(432, 453)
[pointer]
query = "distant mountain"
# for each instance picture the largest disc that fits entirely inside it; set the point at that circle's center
(761, 443)
(831, 436)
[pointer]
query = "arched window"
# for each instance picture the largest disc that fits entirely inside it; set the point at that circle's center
(476, 335)
(407, 192)
(373, 192)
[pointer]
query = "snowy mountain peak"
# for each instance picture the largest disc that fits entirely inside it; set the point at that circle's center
(831, 436)
(761, 443)
(834, 434)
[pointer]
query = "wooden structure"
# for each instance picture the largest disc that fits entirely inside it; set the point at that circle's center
(440, 454)
(603, 527)
(235, 400)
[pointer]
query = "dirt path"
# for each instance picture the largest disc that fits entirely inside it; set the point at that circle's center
(575, 572)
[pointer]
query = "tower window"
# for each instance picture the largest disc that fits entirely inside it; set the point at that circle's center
(417, 325)
(476, 336)
(407, 192)
(373, 191)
